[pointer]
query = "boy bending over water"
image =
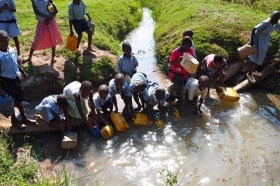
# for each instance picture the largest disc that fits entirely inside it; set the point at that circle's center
(79, 97)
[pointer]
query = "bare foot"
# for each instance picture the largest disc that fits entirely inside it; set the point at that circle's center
(90, 49)
(26, 60)
(53, 61)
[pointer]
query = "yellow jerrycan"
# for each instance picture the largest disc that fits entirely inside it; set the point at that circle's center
(71, 42)
(107, 131)
(119, 121)
(176, 113)
(229, 94)
(141, 119)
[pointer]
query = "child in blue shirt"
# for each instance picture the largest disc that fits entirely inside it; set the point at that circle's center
(102, 101)
(138, 87)
(77, 12)
(127, 62)
(10, 83)
(156, 96)
(8, 21)
(119, 86)
(52, 107)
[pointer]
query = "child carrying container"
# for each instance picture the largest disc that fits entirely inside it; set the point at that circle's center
(127, 63)
(52, 108)
(47, 32)
(260, 39)
(77, 11)
(176, 70)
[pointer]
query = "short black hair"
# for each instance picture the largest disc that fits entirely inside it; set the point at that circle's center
(275, 14)
(61, 99)
(86, 85)
(187, 40)
(160, 92)
(188, 32)
(126, 44)
(179, 81)
(218, 58)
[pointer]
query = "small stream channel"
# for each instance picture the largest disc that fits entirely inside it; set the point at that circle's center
(231, 144)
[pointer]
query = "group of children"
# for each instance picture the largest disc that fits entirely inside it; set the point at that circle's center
(47, 33)
(78, 100)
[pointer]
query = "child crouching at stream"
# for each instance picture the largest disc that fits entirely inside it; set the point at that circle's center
(52, 107)
(102, 102)
(9, 79)
(79, 96)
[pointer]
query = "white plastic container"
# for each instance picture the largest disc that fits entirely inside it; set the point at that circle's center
(189, 63)
(245, 51)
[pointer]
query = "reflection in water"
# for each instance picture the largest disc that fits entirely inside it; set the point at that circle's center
(231, 144)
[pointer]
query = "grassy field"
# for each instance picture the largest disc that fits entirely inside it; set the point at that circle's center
(113, 20)
(219, 26)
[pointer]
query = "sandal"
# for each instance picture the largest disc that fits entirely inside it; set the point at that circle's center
(250, 78)
(28, 121)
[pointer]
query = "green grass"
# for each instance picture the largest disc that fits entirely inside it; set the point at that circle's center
(219, 27)
(113, 20)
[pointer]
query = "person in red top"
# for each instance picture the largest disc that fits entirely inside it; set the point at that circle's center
(176, 70)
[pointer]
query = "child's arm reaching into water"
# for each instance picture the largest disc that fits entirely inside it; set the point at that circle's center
(85, 119)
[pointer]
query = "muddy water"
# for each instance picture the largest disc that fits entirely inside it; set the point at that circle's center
(231, 144)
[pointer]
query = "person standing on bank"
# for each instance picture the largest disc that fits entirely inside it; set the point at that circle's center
(8, 21)
(260, 39)
(10, 82)
(77, 12)
(47, 32)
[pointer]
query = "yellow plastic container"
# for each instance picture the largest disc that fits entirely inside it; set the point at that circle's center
(229, 94)
(159, 123)
(141, 119)
(176, 113)
(245, 51)
(107, 131)
(71, 43)
(189, 63)
(119, 121)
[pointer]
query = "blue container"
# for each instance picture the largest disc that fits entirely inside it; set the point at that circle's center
(96, 132)
(6, 105)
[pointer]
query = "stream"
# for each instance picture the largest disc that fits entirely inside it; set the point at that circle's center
(231, 144)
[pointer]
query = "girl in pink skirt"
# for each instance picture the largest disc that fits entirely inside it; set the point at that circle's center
(47, 32)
